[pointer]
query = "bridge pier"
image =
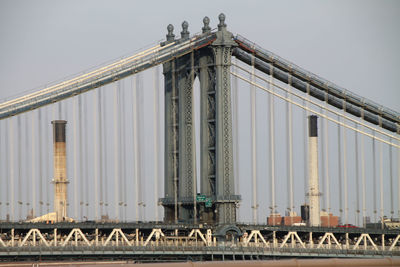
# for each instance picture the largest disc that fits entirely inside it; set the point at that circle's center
(212, 65)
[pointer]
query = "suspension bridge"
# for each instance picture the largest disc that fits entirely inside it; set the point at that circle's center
(241, 155)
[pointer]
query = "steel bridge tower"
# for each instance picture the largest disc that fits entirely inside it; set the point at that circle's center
(211, 64)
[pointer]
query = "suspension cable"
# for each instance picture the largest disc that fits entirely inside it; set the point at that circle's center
(136, 143)
(101, 173)
(323, 163)
(116, 153)
(391, 180)
(364, 208)
(156, 138)
(272, 143)
(104, 162)
(346, 196)
(290, 150)
(317, 112)
(75, 169)
(305, 146)
(321, 106)
(235, 112)
(11, 153)
(33, 169)
(88, 75)
(19, 148)
(327, 176)
(381, 180)
(374, 177)
(96, 156)
(357, 176)
(253, 141)
(86, 144)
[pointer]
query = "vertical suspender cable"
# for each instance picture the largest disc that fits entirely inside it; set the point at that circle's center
(398, 182)
(81, 179)
(272, 141)
(290, 148)
(236, 134)
(374, 176)
(7, 171)
(135, 145)
(1, 174)
(86, 130)
(357, 177)
(340, 173)
(11, 153)
(381, 178)
(122, 143)
(2, 152)
(96, 156)
(140, 147)
(322, 164)
(75, 178)
(33, 173)
(253, 141)
(364, 208)
(100, 130)
(327, 177)
(104, 162)
(116, 154)
(48, 149)
(346, 210)
(40, 161)
(391, 178)
(25, 169)
(120, 150)
(19, 144)
(305, 142)
(156, 139)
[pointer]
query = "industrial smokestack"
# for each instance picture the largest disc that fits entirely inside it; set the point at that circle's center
(60, 170)
(313, 180)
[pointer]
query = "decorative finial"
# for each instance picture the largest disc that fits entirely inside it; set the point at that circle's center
(206, 27)
(221, 24)
(185, 32)
(170, 35)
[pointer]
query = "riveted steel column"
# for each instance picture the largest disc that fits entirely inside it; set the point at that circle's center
(171, 155)
(180, 168)
(207, 130)
(226, 200)
(187, 164)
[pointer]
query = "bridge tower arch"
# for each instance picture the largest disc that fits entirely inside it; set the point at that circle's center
(211, 64)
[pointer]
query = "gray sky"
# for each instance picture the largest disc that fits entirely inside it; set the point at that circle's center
(351, 43)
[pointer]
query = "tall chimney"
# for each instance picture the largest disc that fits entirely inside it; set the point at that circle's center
(313, 181)
(60, 170)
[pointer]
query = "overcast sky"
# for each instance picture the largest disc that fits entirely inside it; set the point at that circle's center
(351, 43)
(354, 44)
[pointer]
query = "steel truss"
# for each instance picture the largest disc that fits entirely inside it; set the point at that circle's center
(199, 242)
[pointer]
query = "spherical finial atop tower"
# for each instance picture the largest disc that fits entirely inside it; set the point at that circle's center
(221, 24)
(170, 35)
(206, 27)
(185, 32)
